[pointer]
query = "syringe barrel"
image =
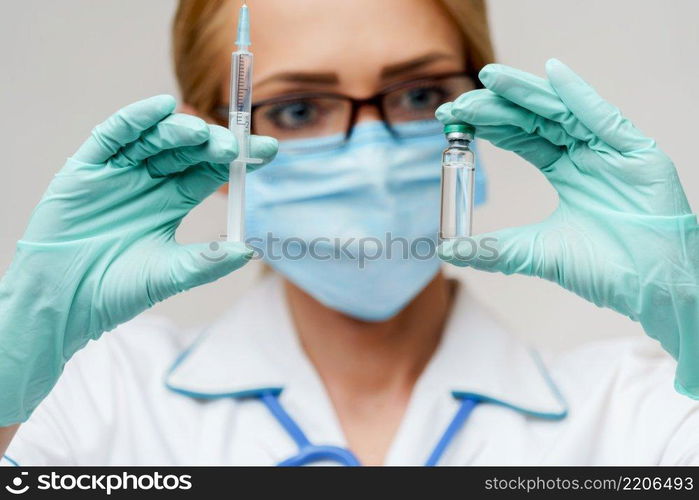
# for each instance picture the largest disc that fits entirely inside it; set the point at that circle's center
(241, 81)
(241, 99)
(239, 123)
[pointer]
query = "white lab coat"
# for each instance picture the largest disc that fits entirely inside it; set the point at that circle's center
(126, 400)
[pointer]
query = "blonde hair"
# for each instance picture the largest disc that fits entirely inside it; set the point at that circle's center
(202, 41)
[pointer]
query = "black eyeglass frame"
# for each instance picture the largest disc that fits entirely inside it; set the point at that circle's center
(376, 100)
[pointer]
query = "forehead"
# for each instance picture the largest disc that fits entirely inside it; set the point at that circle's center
(346, 36)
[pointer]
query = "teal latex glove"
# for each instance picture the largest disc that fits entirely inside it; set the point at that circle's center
(623, 235)
(100, 247)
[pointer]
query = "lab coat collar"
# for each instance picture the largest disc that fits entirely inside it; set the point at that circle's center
(250, 350)
(254, 349)
(479, 359)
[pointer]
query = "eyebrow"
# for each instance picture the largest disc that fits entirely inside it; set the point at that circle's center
(301, 77)
(390, 71)
(413, 64)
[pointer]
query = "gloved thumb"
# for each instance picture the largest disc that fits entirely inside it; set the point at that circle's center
(515, 250)
(201, 263)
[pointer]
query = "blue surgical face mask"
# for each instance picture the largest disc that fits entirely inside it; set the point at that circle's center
(355, 227)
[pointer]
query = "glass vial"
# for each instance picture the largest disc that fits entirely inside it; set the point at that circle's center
(458, 181)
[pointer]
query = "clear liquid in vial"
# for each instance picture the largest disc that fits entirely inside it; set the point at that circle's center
(458, 176)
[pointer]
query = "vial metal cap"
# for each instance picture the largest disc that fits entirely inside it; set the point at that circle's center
(459, 131)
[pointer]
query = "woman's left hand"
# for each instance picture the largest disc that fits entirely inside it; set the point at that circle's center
(623, 235)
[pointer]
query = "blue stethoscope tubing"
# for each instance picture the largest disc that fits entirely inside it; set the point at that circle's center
(309, 453)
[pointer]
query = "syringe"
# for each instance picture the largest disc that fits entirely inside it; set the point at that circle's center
(239, 123)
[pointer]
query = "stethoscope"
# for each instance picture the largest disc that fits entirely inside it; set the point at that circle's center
(311, 453)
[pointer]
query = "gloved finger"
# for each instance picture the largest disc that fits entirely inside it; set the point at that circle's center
(520, 250)
(444, 114)
(537, 151)
(124, 127)
(535, 94)
(483, 107)
(175, 131)
(533, 148)
(193, 265)
(200, 181)
(601, 117)
(218, 146)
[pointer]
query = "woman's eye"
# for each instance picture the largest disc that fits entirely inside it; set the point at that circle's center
(423, 98)
(293, 115)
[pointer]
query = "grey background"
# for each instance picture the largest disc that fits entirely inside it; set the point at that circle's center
(67, 65)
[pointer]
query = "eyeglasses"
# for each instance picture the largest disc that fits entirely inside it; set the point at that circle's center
(333, 116)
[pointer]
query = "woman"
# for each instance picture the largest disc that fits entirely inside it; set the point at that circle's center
(344, 355)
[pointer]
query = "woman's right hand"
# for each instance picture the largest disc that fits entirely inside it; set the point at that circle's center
(100, 247)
